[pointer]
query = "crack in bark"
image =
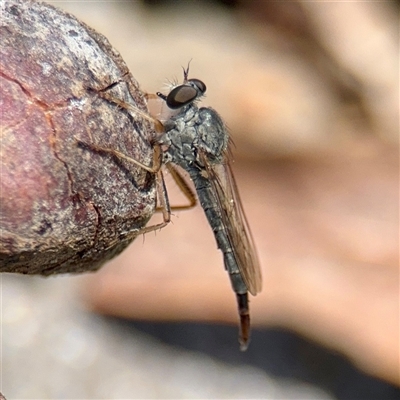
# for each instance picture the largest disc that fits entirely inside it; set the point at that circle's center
(53, 142)
(75, 195)
(98, 224)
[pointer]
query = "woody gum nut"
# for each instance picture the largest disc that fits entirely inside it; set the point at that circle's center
(65, 207)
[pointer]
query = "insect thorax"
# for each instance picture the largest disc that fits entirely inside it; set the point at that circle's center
(191, 131)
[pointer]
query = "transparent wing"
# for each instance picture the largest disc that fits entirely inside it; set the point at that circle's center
(235, 222)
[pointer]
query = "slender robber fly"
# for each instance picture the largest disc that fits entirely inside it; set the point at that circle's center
(196, 139)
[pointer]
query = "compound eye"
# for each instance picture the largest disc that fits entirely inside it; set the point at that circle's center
(198, 84)
(181, 96)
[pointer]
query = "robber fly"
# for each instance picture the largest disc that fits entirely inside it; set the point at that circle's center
(196, 139)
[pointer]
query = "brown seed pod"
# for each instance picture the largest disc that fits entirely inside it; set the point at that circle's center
(63, 206)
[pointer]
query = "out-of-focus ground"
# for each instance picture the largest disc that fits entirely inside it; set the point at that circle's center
(52, 349)
(310, 94)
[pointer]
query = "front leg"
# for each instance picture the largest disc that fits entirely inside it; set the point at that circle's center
(158, 125)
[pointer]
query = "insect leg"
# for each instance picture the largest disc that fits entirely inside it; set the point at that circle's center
(154, 168)
(162, 196)
(184, 187)
(158, 126)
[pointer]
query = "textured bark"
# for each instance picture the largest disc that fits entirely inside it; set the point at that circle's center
(65, 207)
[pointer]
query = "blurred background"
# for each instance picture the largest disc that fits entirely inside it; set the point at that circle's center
(309, 91)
